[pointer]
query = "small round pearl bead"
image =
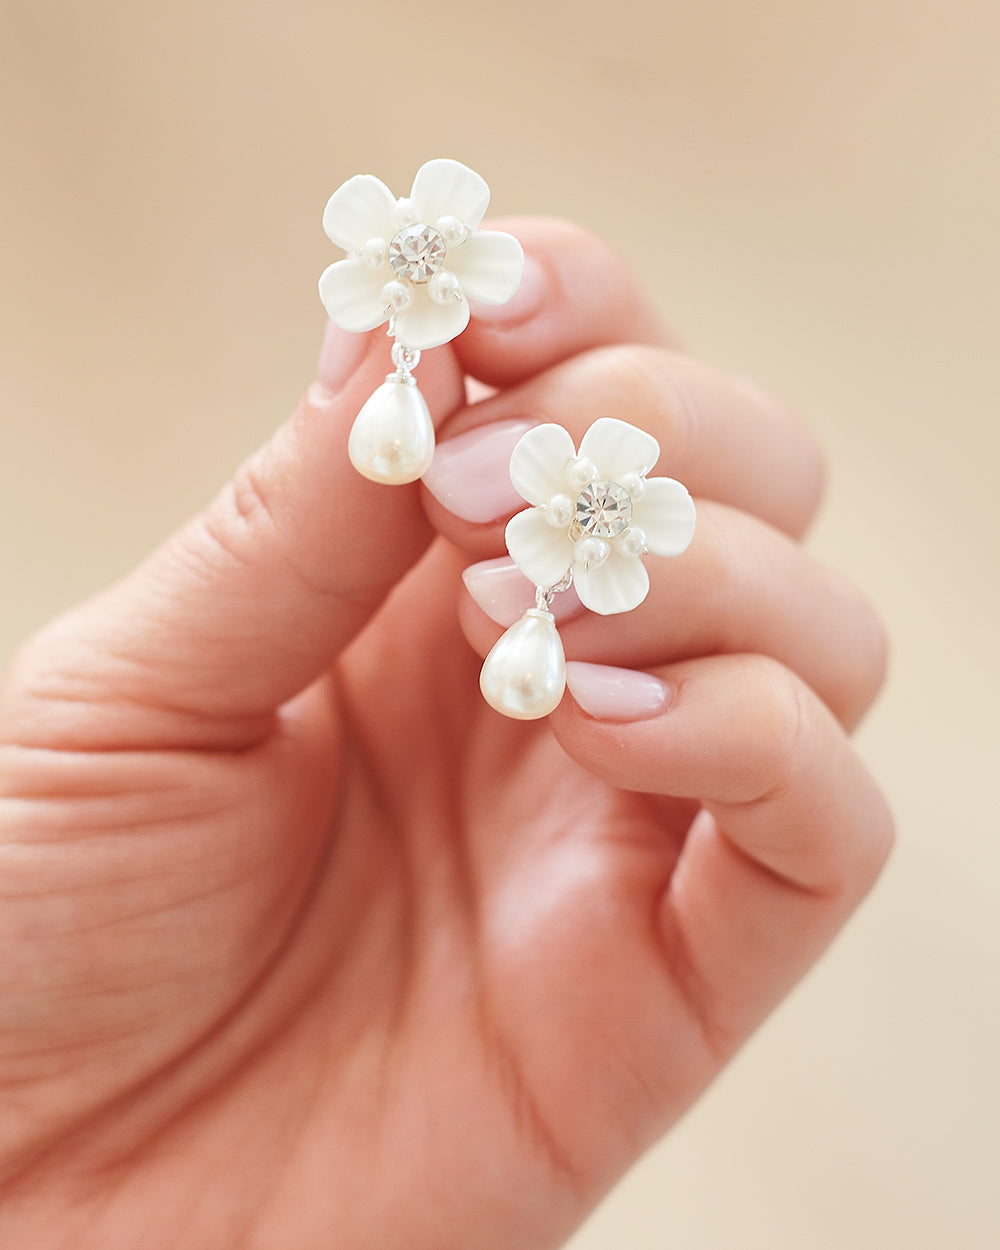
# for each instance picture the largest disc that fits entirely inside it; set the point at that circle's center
(397, 295)
(580, 471)
(635, 484)
(632, 542)
(591, 552)
(373, 253)
(452, 231)
(405, 213)
(444, 288)
(559, 511)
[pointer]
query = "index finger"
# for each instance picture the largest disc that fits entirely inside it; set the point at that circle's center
(576, 293)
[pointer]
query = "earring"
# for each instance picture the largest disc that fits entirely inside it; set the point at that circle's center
(415, 262)
(594, 515)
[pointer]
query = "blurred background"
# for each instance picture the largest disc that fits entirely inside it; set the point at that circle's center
(812, 191)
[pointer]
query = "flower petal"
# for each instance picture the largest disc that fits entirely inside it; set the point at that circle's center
(359, 210)
(618, 448)
(618, 585)
(537, 463)
(488, 266)
(423, 323)
(543, 554)
(665, 514)
(352, 295)
(446, 188)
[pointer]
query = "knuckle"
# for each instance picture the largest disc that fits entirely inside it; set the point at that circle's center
(243, 514)
(250, 526)
(869, 659)
(786, 731)
(781, 731)
(638, 383)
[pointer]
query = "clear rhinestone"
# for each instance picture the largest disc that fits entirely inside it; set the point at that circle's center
(417, 252)
(603, 509)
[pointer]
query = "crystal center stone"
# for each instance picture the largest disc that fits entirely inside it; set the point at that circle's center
(603, 509)
(417, 252)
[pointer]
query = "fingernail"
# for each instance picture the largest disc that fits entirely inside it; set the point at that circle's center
(505, 594)
(341, 353)
(523, 304)
(616, 694)
(470, 473)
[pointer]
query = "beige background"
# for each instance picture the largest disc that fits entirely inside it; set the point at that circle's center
(812, 191)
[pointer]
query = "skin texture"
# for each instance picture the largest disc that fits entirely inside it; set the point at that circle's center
(304, 945)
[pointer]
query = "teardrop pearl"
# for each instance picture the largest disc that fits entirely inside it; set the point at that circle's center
(392, 439)
(524, 676)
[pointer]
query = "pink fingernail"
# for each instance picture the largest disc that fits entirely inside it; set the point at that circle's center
(340, 355)
(505, 594)
(616, 694)
(470, 473)
(524, 303)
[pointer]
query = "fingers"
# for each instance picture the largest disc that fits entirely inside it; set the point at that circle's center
(251, 601)
(793, 832)
(576, 293)
(245, 605)
(741, 587)
(724, 438)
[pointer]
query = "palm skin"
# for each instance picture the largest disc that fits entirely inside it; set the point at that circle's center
(356, 991)
(302, 945)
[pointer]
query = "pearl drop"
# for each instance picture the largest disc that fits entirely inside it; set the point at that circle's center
(524, 676)
(444, 287)
(635, 484)
(591, 552)
(397, 295)
(405, 213)
(452, 231)
(392, 439)
(559, 512)
(632, 542)
(373, 253)
(580, 471)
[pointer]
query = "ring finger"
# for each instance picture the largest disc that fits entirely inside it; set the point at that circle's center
(741, 587)
(723, 437)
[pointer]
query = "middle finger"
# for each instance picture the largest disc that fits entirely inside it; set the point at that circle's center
(741, 587)
(724, 438)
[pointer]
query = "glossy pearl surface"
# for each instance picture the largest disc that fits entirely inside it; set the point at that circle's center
(580, 471)
(392, 439)
(591, 552)
(633, 541)
(397, 295)
(560, 511)
(524, 676)
(444, 287)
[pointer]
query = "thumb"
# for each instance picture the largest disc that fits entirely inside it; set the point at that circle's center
(252, 600)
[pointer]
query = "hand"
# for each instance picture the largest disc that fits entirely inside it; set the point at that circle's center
(302, 944)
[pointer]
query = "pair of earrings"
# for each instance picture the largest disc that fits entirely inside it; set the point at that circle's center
(594, 512)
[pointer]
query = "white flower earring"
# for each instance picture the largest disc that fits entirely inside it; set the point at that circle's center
(416, 262)
(594, 515)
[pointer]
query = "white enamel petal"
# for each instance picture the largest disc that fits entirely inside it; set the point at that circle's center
(537, 463)
(543, 554)
(423, 324)
(489, 266)
(359, 210)
(444, 188)
(352, 295)
(618, 585)
(665, 514)
(618, 448)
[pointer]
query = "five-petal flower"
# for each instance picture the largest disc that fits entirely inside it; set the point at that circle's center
(418, 260)
(595, 512)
